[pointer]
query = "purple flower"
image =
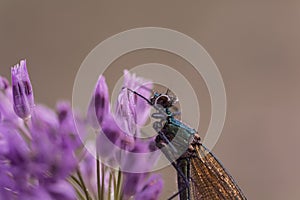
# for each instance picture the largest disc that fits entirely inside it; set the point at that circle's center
(53, 145)
(3, 83)
(37, 171)
(67, 127)
(131, 183)
(61, 190)
(119, 132)
(132, 111)
(22, 90)
(15, 150)
(151, 189)
(87, 167)
(41, 148)
(111, 136)
(36, 159)
(99, 106)
(8, 185)
(7, 113)
(120, 127)
(142, 160)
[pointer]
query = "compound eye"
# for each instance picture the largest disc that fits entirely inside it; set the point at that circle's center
(163, 100)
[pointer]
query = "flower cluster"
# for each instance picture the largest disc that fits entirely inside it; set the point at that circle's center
(42, 156)
(122, 129)
(37, 144)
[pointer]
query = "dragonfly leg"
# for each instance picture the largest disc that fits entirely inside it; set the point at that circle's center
(176, 194)
(186, 181)
(179, 172)
(176, 113)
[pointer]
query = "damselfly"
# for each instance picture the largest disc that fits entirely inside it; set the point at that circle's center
(199, 173)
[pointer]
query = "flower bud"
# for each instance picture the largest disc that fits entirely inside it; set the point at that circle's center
(22, 91)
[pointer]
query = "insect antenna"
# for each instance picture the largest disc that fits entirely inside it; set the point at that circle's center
(148, 101)
(167, 92)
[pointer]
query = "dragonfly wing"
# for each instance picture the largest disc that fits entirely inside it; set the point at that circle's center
(210, 180)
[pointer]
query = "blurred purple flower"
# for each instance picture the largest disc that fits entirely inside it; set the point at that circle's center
(32, 172)
(67, 127)
(151, 189)
(7, 113)
(36, 159)
(61, 190)
(88, 169)
(141, 160)
(109, 135)
(53, 145)
(3, 83)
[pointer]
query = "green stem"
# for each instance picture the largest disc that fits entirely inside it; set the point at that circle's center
(109, 186)
(25, 133)
(118, 189)
(114, 182)
(85, 190)
(76, 181)
(79, 193)
(98, 178)
(102, 181)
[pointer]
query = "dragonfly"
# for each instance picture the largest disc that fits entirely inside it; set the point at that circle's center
(200, 175)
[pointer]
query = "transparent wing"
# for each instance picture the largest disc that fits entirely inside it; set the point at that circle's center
(210, 180)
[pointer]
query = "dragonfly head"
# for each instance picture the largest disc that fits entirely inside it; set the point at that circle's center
(164, 100)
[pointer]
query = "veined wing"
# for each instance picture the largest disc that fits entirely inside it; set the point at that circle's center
(210, 180)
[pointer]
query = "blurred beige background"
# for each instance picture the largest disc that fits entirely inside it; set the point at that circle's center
(255, 44)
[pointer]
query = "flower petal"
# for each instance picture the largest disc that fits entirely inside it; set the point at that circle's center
(131, 183)
(61, 190)
(99, 106)
(131, 110)
(151, 189)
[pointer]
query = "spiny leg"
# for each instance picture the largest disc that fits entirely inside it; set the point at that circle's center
(179, 171)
